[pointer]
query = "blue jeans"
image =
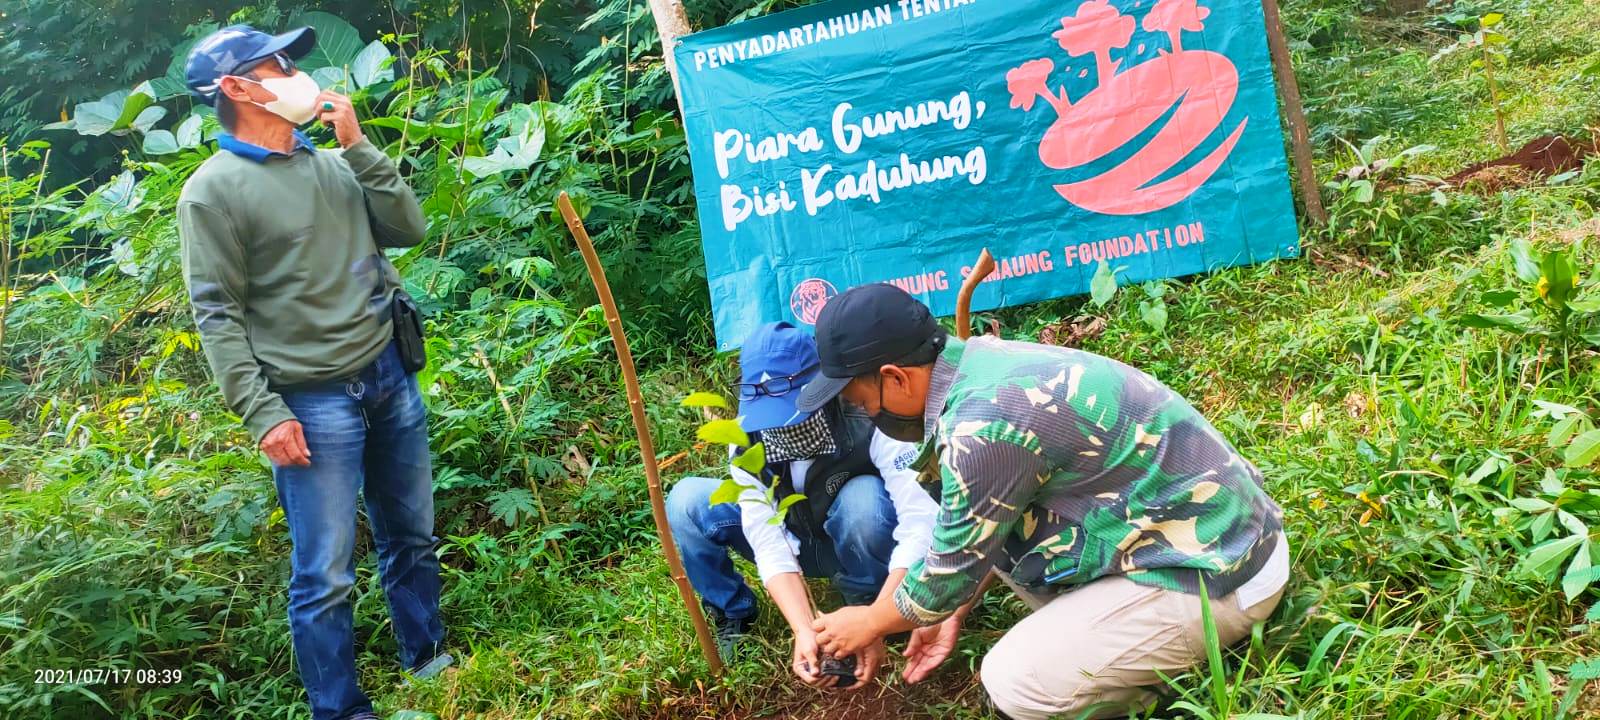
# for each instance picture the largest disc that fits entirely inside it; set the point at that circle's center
(368, 436)
(860, 523)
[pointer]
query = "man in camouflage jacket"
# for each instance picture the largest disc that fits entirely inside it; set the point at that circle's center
(1102, 497)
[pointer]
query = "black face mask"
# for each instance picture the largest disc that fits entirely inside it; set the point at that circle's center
(905, 428)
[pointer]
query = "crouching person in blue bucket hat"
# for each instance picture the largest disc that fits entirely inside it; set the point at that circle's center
(863, 520)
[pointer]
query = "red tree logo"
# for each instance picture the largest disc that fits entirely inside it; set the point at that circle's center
(808, 298)
(1200, 83)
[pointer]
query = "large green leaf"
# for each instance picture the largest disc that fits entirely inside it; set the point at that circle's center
(452, 131)
(371, 65)
(94, 118)
(133, 105)
(1584, 449)
(188, 133)
(174, 82)
(338, 43)
(520, 147)
(148, 118)
(332, 78)
(1543, 560)
(160, 142)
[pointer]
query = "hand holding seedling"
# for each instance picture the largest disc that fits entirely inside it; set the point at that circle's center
(846, 631)
(807, 661)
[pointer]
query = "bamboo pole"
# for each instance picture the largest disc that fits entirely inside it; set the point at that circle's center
(981, 270)
(1294, 112)
(647, 446)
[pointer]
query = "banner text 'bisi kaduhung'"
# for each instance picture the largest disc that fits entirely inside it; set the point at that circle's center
(852, 142)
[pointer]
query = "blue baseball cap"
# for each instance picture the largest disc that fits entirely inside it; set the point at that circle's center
(774, 352)
(235, 49)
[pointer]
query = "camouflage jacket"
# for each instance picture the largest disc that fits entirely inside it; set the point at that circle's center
(1061, 466)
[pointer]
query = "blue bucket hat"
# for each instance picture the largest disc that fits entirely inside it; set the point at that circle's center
(235, 49)
(777, 360)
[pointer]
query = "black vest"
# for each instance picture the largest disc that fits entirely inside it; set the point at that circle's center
(852, 438)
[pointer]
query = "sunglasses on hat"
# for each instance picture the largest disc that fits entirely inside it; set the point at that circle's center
(284, 64)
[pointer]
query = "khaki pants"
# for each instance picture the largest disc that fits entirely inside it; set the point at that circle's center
(1103, 643)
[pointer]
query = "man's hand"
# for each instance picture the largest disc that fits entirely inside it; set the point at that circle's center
(846, 631)
(929, 647)
(285, 444)
(867, 664)
(807, 664)
(342, 117)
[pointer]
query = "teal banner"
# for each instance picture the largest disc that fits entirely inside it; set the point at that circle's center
(853, 142)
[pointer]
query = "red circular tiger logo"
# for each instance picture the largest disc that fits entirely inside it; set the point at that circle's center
(808, 298)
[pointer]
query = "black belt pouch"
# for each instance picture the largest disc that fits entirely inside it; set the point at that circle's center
(408, 332)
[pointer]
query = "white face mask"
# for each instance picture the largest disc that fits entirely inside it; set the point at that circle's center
(297, 97)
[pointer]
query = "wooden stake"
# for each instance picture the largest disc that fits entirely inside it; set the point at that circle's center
(1294, 113)
(647, 446)
(981, 270)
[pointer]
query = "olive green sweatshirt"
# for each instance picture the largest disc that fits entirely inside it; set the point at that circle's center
(285, 272)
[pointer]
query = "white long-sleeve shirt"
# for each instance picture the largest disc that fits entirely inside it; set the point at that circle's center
(776, 549)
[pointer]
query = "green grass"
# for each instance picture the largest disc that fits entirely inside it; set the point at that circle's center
(1344, 375)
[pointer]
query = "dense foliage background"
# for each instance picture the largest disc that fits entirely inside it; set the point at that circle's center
(1419, 397)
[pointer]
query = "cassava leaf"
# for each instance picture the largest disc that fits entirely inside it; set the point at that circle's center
(1579, 574)
(1544, 560)
(511, 506)
(1584, 449)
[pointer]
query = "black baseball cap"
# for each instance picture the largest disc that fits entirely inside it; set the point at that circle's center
(864, 329)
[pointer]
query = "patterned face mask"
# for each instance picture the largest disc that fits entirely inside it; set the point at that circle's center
(800, 441)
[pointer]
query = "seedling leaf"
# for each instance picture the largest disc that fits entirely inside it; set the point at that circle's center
(752, 461)
(1104, 285)
(729, 491)
(723, 432)
(705, 399)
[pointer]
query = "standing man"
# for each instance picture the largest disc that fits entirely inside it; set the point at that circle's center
(291, 293)
(1106, 499)
(864, 518)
